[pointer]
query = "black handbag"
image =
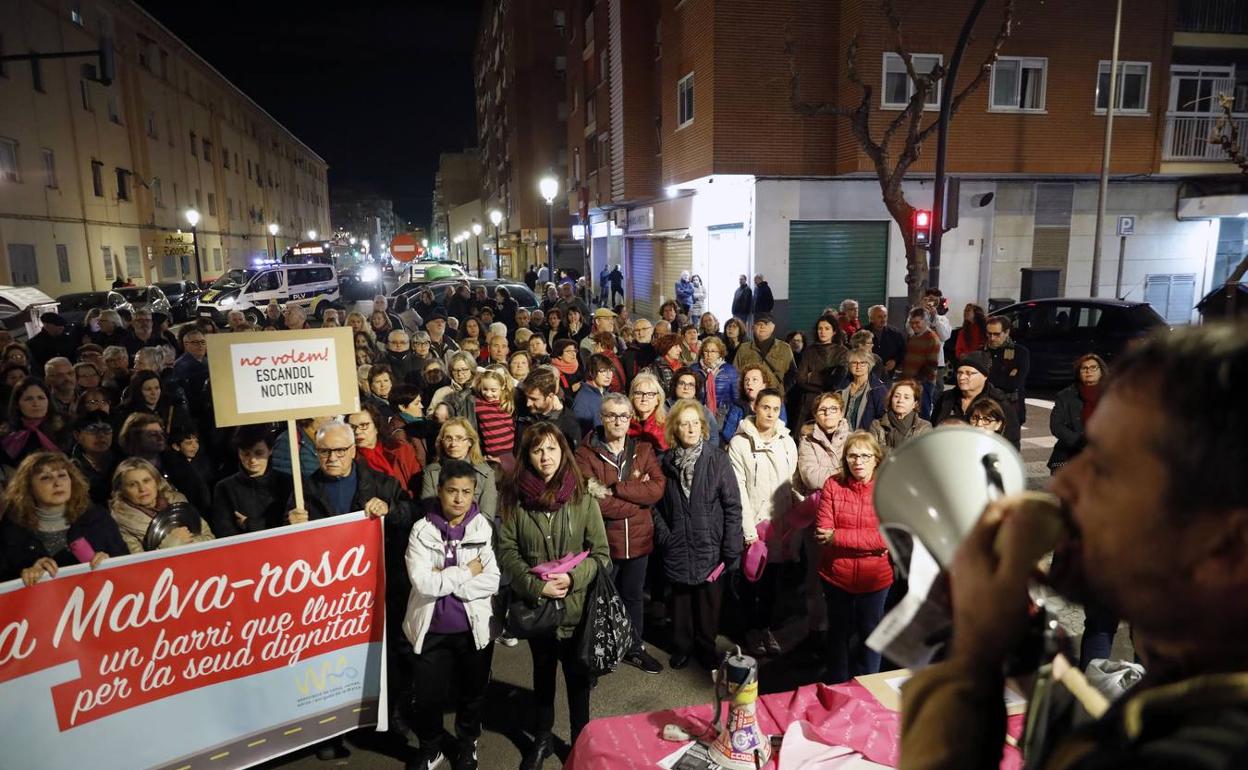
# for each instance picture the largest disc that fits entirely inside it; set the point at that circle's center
(533, 620)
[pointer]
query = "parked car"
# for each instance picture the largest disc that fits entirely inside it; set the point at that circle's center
(75, 306)
(1058, 331)
(182, 296)
(519, 292)
(427, 272)
(149, 298)
(312, 286)
(20, 308)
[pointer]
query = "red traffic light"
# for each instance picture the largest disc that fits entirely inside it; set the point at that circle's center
(922, 227)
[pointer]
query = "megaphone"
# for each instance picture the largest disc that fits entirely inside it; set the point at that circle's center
(935, 486)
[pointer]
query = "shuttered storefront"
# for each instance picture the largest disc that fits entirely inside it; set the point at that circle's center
(677, 258)
(640, 277)
(833, 261)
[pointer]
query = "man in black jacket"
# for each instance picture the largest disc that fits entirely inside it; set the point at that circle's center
(52, 341)
(1011, 363)
(972, 379)
(889, 345)
(743, 300)
(541, 391)
(254, 498)
(764, 300)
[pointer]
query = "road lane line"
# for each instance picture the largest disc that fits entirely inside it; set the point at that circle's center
(326, 719)
(292, 731)
(222, 755)
(254, 744)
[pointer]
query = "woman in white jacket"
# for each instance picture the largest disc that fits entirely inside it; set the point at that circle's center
(764, 460)
(449, 618)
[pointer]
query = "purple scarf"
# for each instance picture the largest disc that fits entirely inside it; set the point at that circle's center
(15, 441)
(533, 488)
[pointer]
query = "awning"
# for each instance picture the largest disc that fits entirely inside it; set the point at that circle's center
(1213, 206)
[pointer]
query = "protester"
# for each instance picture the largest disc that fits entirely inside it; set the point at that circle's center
(901, 421)
(823, 365)
(720, 376)
(33, 424)
(755, 378)
(93, 453)
(541, 392)
(458, 441)
(254, 498)
(820, 451)
(765, 349)
(864, 395)
(1011, 364)
(548, 515)
(142, 436)
(888, 343)
(649, 412)
(586, 405)
(140, 494)
(764, 302)
(973, 334)
(377, 447)
(668, 347)
(567, 361)
(973, 386)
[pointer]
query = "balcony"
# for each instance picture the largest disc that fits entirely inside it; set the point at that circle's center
(1219, 17)
(1187, 138)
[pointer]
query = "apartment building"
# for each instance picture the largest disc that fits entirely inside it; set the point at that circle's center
(520, 71)
(457, 181)
(364, 213)
(689, 156)
(96, 180)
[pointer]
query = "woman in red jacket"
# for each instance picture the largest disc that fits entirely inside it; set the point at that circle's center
(854, 563)
(974, 331)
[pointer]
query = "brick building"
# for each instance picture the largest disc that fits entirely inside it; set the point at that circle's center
(687, 155)
(96, 179)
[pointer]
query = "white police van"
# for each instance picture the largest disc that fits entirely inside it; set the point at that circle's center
(314, 287)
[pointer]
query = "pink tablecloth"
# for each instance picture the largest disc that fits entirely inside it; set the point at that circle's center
(844, 715)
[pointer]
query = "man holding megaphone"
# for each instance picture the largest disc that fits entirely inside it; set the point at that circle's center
(1156, 518)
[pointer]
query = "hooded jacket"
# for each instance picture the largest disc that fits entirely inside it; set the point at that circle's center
(764, 469)
(627, 512)
(695, 534)
(485, 495)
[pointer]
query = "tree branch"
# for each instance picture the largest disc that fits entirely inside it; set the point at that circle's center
(1007, 21)
(1226, 133)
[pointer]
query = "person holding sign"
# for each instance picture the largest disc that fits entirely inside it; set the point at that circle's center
(449, 619)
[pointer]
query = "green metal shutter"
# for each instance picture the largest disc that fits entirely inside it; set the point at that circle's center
(833, 261)
(641, 276)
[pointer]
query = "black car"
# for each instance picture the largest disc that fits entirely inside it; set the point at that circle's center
(75, 306)
(182, 296)
(519, 292)
(1058, 331)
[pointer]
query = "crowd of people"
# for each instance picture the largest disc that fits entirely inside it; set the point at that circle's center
(686, 458)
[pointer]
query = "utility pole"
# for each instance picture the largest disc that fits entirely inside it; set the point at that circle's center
(1103, 192)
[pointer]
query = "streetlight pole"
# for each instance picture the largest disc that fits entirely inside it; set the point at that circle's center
(273, 232)
(496, 218)
(549, 187)
(1103, 191)
(476, 232)
(192, 216)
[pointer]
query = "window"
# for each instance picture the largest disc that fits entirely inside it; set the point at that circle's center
(158, 193)
(899, 88)
(152, 133)
(225, 158)
(114, 111)
(123, 184)
(36, 75)
(97, 178)
(229, 207)
(8, 161)
(1018, 84)
(75, 13)
(85, 88)
(134, 266)
(198, 203)
(107, 255)
(207, 150)
(62, 262)
(236, 166)
(23, 266)
(684, 101)
(212, 204)
(49, 169)
(1132, 86)
(270, 281)
(216, 260)
(1173, 296)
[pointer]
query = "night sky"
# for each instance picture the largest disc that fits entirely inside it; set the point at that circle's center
(377, 89)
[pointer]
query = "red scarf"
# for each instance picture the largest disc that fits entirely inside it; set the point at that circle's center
(651, 430)
(1091, 396)
(532, 487)
(712, 400)
(376, 459)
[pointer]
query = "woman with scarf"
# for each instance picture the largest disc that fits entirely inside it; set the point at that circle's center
(755, 378)
(822, 364)
(820, 451)
(735, 334)
(687, 383)
(140, 494)
(721, 377)
(697, 532)
(33, 425)
(901, 421)
(565, 357)
(463, 369)
(547, 515)
(669, 349)
(377, 448)
(649, 414)
(49, 521)
(457, 440)
(146, 395)
(1073, 406)
(143, 437)
(864, 394)
(574, 327)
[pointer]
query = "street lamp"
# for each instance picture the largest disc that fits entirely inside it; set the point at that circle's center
(273, 232)
(192, 217)
(496, 218)
(549, 187)
(463, 237)
(311, 235)
(476, 232)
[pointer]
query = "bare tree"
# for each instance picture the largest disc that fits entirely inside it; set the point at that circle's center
(1226, 133)
(906, 128)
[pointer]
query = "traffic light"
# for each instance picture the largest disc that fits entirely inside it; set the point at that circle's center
(922, 227)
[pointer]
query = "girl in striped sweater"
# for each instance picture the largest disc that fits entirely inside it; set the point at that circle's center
(495, 412)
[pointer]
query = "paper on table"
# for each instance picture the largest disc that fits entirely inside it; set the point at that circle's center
(803, 750)
(889, 695)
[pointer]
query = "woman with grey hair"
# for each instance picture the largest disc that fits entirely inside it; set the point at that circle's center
(111, 331)
(865, 394)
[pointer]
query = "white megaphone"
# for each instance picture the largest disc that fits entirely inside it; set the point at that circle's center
(934, 487)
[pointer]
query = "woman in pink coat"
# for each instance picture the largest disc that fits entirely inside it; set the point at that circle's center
(853, 564)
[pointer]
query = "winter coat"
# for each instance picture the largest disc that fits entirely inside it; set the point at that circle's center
(821, 369)
(627, 511)
(890, 345)
(44, 347)
(764, 469)
(779, 359)
(820, 456)
(261, 499)
(726, 384)
(587, 408)
(857, 560)
(1066, 425)
(100, 482)
(529, 538)
(485, 494)
(742, 302)
(665, 371)
(21, 548)
(873, 409)
(949, 405)
(695, 534)
(698, 306)
(684, 293)
(740, 410)
(133, 523)
(890, 438)
(764, 301)
(431, 580)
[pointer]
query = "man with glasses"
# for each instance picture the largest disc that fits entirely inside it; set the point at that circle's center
(93, 451)
(141, 333)
(640, 353)
(625, 476)
(440, 344)
(973, 387)
(191, 368)
(765, 349)
(1011, 363)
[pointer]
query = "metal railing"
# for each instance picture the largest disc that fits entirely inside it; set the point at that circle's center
(1228, 17)
(1187, 137)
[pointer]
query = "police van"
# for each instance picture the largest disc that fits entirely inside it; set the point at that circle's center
(313, 287)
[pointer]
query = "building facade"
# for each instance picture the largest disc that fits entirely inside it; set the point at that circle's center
(96, 180)
(689, 155)
(364, 214)
(457, 181)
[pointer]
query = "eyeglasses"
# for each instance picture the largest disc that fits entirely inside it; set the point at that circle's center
(456, 440)
(195, 342)
(981, 419)
(646, 394)
(828, 410)
(98, 429)
(1090, 368)
(333, 451)
(96, 401)
(616, 417)
(859, 458)
(361, 426)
